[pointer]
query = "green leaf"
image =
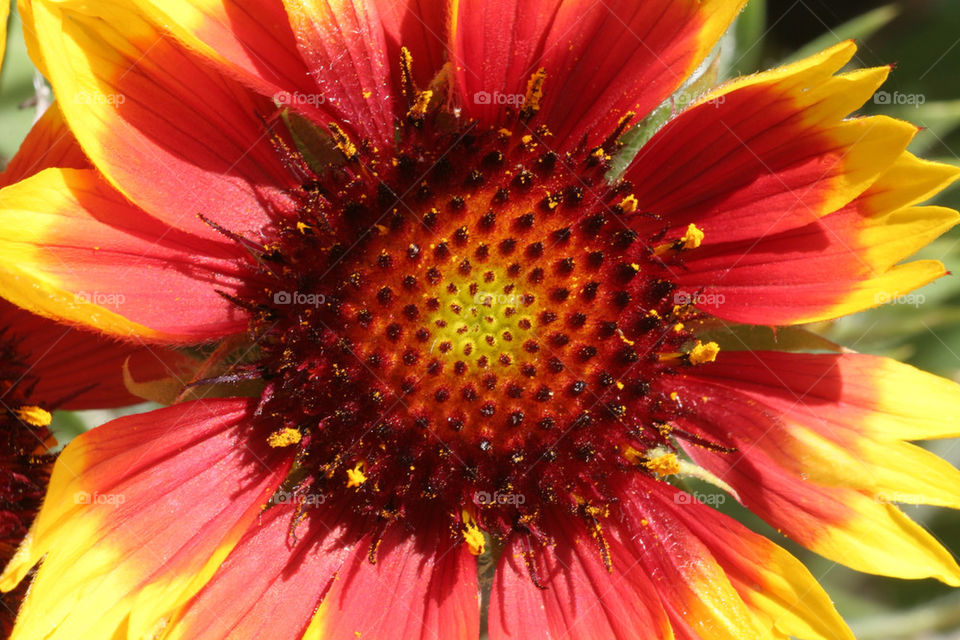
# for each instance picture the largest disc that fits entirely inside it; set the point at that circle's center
(750, 29)
(758, 338)
(314, 144)
(66, 426)
(860, 28)
(16, 88)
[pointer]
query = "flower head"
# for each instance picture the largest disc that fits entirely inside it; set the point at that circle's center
(452, 332)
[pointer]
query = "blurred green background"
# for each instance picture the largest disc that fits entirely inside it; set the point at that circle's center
(922, 38)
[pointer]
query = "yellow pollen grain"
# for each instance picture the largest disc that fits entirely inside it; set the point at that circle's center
(505, 132)
(693, 238)
(703, 353)
(621, 125)
(419, 108)
(342, 141)
(531, 101)
(366, 94)
(284, 437)
(620, 385)
(406, 71)
(665, 465)
(35, 416)
(632, 455)
(303, 227)
(356, 476)
(674, 396)
(678, 327)
(527, 139)
(472, 534)
(594, 510)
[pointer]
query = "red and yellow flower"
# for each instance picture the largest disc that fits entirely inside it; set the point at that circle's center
(465, 338)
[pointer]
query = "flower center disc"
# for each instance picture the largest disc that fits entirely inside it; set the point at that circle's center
(480, 324)
(474, 318)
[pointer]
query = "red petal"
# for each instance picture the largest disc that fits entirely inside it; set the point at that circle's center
(78, 250)
(581, 598)
(495, 46)
(421, 27)
(768, 153)
(839, 264)
(868, 396)
(424, 586)
(266, 573)
(601, 59)
(139, 513)
(176, 137)
(78, 366)
(781, 595)
(249, 39)
(808, 458)
(345, 51)
(694, 588)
